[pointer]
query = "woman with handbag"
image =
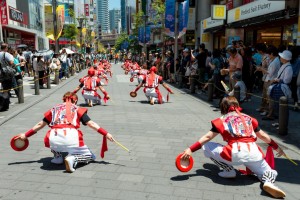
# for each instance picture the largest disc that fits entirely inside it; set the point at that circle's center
(280, 86)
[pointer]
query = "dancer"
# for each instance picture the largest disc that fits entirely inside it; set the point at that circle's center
(90, 84)
(240, 131)
(151, 90)
(64, 136)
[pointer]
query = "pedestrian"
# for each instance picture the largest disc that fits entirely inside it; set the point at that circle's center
(240, 131)
(64, 136)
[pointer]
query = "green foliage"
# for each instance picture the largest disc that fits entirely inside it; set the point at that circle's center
(70, 31)
(122, 38)
(160, 8)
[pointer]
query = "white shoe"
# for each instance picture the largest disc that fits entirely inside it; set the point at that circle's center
(227, 174)
(93, 157)
(70, 162)
(57, 160)
(263, 113)
(271, 189)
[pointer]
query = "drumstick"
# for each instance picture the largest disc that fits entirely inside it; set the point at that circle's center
(225, 86)
(121, 145)
(290, 160)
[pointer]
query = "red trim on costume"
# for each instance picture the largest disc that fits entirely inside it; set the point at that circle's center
(273, 144)
(169, 90)
(226, 153)
(29, 133)
(270, 157)
(254, 123)
(81, 111)
(196, 146)
(104, 146)
(80, 138)
(102, 131)
(46, 139)
(159, 96)
(48, 115)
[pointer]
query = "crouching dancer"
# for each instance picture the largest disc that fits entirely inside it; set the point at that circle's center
(240, 131)
(64, 136)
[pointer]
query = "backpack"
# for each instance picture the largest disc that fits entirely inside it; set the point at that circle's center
(6, 71)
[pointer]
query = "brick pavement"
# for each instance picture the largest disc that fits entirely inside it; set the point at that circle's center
(148, 171)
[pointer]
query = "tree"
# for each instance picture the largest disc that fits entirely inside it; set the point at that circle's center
(123, 37)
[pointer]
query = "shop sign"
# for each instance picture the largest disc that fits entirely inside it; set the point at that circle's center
(86, 9)
(218, 11)
(190, 37)
(205, 37)
(254, 9)
(16, 15)
(192, 18)
(3, 12)
(210, 23)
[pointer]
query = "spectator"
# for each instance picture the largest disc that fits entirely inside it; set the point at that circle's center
(237, 78)
(296, 68)
(201, 59)
(279, 85)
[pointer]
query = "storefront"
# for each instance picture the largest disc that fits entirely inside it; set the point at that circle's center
(14, 37)
(213, 35)
(269, 22)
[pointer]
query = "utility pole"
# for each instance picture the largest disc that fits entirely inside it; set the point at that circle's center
(54, 3)
(176, 35)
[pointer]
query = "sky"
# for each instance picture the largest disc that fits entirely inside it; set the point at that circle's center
(114, 4)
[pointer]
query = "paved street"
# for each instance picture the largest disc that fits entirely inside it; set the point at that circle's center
(155, 135)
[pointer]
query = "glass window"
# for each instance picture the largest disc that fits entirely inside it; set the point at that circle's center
(270, 36)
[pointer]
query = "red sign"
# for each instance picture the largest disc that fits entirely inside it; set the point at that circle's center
(229, 4)
(87, 9)
(3, 12)
(16, 15)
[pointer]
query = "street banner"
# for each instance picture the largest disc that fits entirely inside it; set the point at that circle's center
(49, 29)
(148, 33)
(87, 9)
(170, 18)
(183, 17)
(60, 16)
(3, 12)
(141, 35)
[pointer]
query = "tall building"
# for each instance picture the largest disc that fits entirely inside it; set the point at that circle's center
(114, 18)
(103, 15)
(123, 15)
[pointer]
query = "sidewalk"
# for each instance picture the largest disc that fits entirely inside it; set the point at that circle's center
(30, 99)
(290, 141)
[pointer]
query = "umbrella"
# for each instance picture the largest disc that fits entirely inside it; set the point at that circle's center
(44, 53)
(22, 46)
(68, 51)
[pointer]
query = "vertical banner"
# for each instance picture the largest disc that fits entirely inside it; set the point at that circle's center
(60, 16)
(148, 33)
(87, 9)
(170, 18)
(141, 35)
(49, 29)
(183, 17)
(67, 7)
(298, 35)
(3, 12)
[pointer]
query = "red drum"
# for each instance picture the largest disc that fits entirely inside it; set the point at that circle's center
(184, 165)
(19, 145)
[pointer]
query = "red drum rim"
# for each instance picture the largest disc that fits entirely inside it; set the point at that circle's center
(181, 165)
(133, 94)
(13, 144)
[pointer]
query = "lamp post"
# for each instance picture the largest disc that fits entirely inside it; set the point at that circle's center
(176, 34)
(80, 21)
(145, 18)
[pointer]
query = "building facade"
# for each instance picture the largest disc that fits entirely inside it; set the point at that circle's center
(123, 15)
(22, 22)
(114, 18)
(103, 15)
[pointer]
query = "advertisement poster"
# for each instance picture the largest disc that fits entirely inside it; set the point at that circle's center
(3, 12)
(49, 29)
(60, 15)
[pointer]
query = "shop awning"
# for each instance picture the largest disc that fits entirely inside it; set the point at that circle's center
(268, 18)
(214, 29)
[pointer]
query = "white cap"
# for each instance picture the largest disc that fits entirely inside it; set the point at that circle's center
(286, 55)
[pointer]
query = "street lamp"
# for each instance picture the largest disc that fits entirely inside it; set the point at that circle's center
(145, 18)
(80, 21)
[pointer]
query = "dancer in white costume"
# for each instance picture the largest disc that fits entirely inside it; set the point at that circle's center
(151, 90)
(64, 136)
(89, 85)
(240, 131)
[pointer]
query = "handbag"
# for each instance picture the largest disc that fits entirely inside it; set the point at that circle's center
(6, 71)
(188, 71)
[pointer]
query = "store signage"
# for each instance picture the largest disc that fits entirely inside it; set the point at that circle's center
(254, 9)
(210, 23)
(3, 12)
(16, 15)
(218, 11)
(86, 9)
